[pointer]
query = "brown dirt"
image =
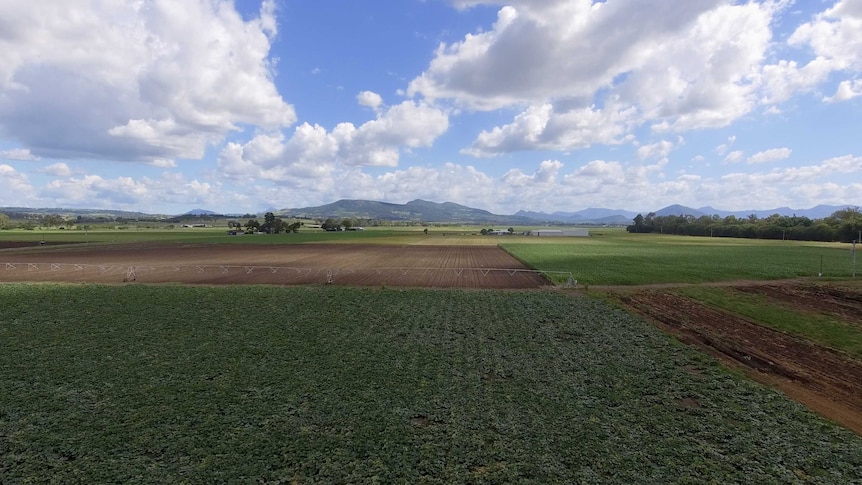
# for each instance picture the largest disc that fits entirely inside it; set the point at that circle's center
(339, 264)
(29, 244)
(827, 381)
(843, 302)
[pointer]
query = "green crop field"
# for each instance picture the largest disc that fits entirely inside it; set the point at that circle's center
(264, 384)
(633, 259)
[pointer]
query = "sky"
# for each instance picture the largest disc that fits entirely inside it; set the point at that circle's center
(164, 106)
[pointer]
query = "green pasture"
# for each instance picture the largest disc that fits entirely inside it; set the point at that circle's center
(635, 259)
(257, 384)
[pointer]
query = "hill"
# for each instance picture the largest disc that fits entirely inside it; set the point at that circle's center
(416, 210)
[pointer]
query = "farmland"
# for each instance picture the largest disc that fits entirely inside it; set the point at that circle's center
(344, 264)
(332, 384)
(263, 371)
(618, 259)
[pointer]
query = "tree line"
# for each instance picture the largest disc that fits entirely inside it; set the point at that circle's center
(271, 225)
(843, 225)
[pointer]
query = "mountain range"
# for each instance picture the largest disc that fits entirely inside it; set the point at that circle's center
(425, 211)
(449, 212)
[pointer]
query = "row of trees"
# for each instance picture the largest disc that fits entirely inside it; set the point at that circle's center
(843, 225)
(485, 232)
(271, 225)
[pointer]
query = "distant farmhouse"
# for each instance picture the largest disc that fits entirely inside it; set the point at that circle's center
(575, 232)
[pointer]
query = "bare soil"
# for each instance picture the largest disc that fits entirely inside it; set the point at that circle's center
(339, 264)
(842, 302)
(826, 380)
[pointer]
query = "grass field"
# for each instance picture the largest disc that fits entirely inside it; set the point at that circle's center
(633, 259)
(325, 384)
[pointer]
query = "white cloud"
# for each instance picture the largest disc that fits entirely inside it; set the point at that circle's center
(677, 65)
(785, 79)
(16, 187)
(137, 81)
(369, 99)
(94, 191)
(793, 175)
(772, 155)
(734, 157)
(22, 154)
(57, 170)
(377, 142)
(543, 127)
(835, 34)
(545, 175)
(656, 150)
(312, 153)
(846, 90)
(835, 37)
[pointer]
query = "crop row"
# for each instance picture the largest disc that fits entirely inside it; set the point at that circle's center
(329, 384)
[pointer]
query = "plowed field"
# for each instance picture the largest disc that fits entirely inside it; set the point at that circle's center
(340, 264)
(826, 380)
(841, 302)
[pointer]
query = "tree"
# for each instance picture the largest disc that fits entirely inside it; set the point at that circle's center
(848, 223)
(329, 225)
(5, 222)
(638, 225)
(252, 225)
(51, 220)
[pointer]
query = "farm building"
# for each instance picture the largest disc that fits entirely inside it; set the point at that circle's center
(576, 232)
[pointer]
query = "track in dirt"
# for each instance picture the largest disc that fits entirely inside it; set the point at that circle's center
(825, 380)
(340, 264)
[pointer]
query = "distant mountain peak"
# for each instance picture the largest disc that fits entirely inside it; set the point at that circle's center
(199, 212)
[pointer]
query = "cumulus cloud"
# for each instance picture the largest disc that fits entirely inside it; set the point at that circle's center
(16, 186)
(678, 66)
(369, 99)
(546, 174)
(312, 153)
(772, 155)
(734, 157)
(511, 62)
(95, 191)
(57, 170)
(22, 154)
(145, 81)
(835, 38)
(656, 150)
(791, 175)
(846, 90)
(835, 34)
(544, 127)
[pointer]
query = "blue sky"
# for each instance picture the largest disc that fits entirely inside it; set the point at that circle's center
(544, 105)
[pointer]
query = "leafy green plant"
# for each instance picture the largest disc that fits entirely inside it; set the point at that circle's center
(328, 384)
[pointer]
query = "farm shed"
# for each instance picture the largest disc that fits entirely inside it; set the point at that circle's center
(576, 232)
